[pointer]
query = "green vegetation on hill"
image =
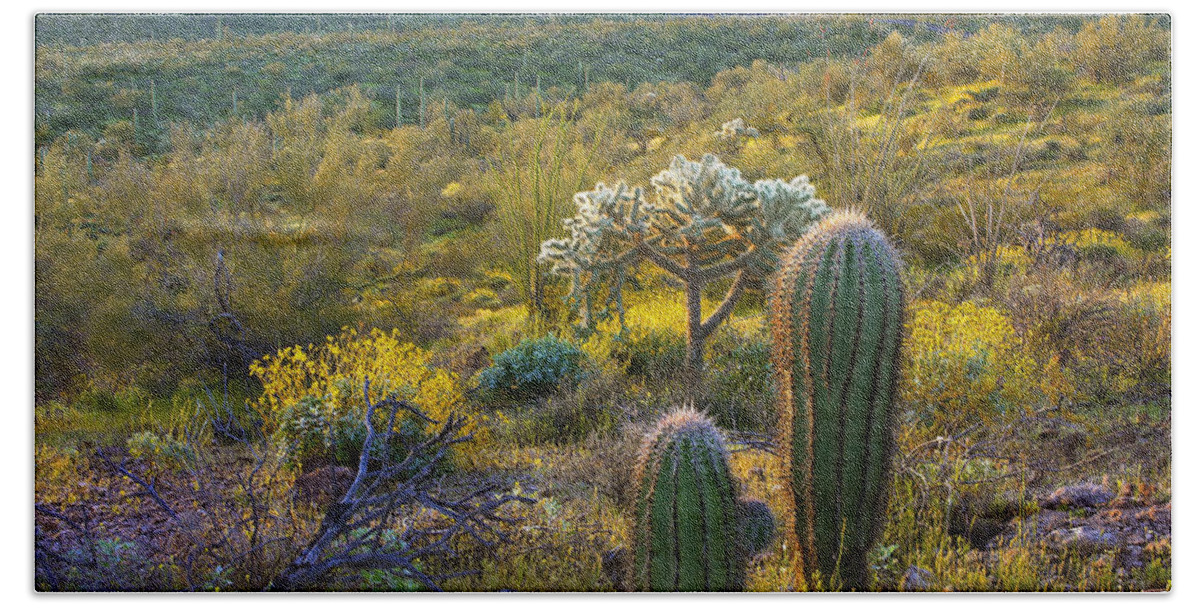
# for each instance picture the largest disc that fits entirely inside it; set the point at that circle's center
(293, 249)
(92, 70)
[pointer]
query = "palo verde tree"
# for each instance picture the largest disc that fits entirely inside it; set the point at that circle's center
(703, 223)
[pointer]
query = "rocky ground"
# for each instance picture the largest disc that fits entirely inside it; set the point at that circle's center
(1091, 519)
(1086, 520)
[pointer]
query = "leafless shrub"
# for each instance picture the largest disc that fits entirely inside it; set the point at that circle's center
(992, 214)
(357, 532)
(231, 520)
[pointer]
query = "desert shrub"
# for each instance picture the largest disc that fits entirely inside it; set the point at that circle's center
(965, 365)
(1110, 342)
(1136, 151)
(532, 368)
(1097, 244)
(308, 430)
(990, 267)
(979, 113)
(1147, 309)
(496, 330)
(1118, 48)
(483, 298)
(595, 405)
(1149, 231)
(460, 254)
(438, 287)
(160, 448)
(314, 432)
(109, 565)
(559, 419)
(498, 279)
(739, 389)
(652, 346)
(313, 402)
(1127, 350)
(1108, 255)
(97, 399)
(655, 354)
(57, 472)
(54, 415)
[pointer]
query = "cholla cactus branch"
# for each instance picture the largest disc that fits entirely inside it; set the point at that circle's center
(736, 128)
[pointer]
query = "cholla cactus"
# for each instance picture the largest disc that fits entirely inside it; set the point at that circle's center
(736, 128)
(704, 222)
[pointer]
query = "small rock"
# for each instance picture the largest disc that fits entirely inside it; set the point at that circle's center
(916, 579)
(1078, 495)
(1132, 557)
(1050, 520)
(1084, 538)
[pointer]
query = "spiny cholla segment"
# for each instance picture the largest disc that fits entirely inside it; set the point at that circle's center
(736, 128)
(837, 311)
(685, 533)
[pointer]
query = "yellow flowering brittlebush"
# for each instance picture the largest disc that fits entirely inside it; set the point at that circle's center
(333, 375)
(1094, 238)
(965, 365)
(1008, 259)
(652, 336)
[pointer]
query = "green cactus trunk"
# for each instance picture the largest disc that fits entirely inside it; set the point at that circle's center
(837, 315)
(685, 535)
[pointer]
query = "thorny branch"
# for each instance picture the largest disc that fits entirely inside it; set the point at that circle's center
(356, 532)
(395, 513)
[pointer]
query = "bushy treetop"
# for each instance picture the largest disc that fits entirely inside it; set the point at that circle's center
(704, 219)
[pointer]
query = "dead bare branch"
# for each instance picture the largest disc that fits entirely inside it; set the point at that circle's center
(358, 531)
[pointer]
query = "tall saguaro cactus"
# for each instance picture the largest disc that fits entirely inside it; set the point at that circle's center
(837, 311)
(685, 533)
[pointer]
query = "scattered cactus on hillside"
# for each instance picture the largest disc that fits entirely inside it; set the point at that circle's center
(837, 313)
(687, 516)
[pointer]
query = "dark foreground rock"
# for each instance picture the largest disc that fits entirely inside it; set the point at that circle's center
(1081, 495)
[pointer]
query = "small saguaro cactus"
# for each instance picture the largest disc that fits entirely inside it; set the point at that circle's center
(837, 311)
(685, 532)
